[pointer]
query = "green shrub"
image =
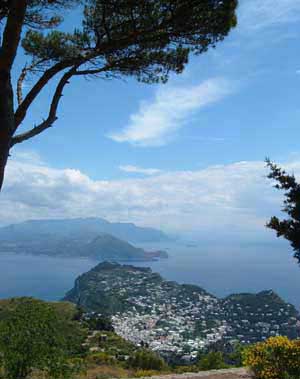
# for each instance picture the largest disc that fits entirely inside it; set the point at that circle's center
(32, 338)
(144, 373)
(212, 361)
(275, 358)
(100, 359)
(103, 376)
(235, 358)
(184, 369)
(146, 360)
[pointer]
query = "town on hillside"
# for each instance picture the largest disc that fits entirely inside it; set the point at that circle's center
(178, 320)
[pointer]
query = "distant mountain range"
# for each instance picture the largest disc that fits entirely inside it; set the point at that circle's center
(90, 237)
(82, 228)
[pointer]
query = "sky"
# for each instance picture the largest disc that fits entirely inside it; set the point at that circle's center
(186, 157)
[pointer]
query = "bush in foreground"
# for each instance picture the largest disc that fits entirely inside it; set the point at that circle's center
(34, 337)
(275, 358)
(212, 361)
(147, 360)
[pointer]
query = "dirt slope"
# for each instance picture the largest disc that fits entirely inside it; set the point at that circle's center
(214, 374)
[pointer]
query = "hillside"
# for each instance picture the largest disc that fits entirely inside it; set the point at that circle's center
(107, 247)
(64, 309)
(103, 247)
(167, 315)
(90, 341)
(74, 238)
(79, 228)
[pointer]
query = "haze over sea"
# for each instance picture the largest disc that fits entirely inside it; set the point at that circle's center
(220, 269)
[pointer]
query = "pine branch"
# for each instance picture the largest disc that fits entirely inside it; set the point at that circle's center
(20, 113)
(52, 115)
(21, 79)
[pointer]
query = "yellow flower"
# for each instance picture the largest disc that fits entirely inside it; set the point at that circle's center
(275, 358)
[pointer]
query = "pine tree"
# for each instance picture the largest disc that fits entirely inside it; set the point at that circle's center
(288, 228)
(146, 39)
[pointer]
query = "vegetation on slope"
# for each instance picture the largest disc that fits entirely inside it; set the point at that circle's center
(38, 336)
(57, 340)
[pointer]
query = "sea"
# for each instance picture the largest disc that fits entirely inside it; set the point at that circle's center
(220, 269)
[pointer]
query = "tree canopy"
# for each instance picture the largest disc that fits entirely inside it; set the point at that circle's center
(29, 339)
(288, 228)
(146, 39)
(34, 335)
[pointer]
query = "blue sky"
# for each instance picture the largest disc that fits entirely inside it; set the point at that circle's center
(167, 155)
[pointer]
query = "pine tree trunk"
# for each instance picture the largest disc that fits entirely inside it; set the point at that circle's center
(9, 45)
(7, 122)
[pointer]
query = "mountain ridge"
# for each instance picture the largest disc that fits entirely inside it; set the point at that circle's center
(90, 226)
(78, 238)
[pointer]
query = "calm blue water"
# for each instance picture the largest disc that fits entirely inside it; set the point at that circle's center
(219, 269)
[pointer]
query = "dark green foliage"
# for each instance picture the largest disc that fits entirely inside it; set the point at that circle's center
(258, 308)
(288, 228)
(212, 361)
(29, 338)
(147, 39)
(236, 357)
(232, 352)
(240, 303)
(99, 323)
(114, 345)
(35, 335)
(54, 46)
(146, 360)
(89, 293)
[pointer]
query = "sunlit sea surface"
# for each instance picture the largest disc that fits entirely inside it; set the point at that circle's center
(221, 270)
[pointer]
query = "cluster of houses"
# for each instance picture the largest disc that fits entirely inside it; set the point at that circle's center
(171, 318)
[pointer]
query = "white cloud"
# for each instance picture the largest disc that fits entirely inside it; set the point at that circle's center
(156, 121)
(258, 14)
(234, 198)
(28, 156)
(140, 170)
